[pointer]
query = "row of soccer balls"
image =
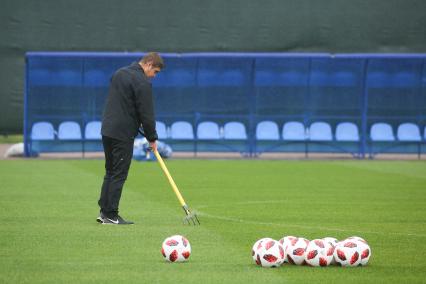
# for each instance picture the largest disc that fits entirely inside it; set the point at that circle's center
(353, 251)
(267, 252)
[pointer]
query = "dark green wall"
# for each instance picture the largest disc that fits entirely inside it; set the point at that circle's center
(333, 26)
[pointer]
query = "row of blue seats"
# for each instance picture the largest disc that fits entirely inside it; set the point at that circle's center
(67, 130)
(291, 131)
(265, 131)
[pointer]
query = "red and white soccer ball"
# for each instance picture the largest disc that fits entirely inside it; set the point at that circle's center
(319, 253)
(285, 242)
(296, 251)
(270, 254)
(363, 248)
(365, 252)
(256, 248)
(176, 249)
(347, 253)
(332, 241)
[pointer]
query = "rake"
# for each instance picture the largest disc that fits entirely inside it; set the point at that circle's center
(191, 217)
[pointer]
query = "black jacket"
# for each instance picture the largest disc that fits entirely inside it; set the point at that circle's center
(129, 104)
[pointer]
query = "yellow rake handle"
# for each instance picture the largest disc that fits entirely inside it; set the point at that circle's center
(169, 177)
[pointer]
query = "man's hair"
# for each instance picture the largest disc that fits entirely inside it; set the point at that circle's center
(154, 58)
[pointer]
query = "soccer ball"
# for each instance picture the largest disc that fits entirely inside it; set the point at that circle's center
(256, 247)
(285, 241)
(365, 251)
(346, 253)
(363, 248)
(296, 251)
(333, 242)
(176, 249)
(270, 254)
(319, 253)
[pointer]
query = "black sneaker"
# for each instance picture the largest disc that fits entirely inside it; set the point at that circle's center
(101, 217)
(116, 221)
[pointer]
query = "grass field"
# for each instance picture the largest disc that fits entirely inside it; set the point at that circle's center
(49, 234)
(15, 138)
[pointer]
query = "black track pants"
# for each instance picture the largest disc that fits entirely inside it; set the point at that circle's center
(118, 156)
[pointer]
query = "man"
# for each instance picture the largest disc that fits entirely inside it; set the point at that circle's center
(128, 106)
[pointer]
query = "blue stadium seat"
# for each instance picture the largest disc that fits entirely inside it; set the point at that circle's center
(93, 130)
(409, 132)
(234, 130)
(181, 130)
(69, 130)
(161, 129)
(381, 132)
(347, 132)
(208, 130)
(320, 131)
(42, 131)
(294, 131)
(267, 130)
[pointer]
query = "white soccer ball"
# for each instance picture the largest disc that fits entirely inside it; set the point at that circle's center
(363, 248)
(346, 253)
(176, 249)
(319, 253)
(296, 251)
(285, 241)
(270, 254)
(256, 248)
(332, 241)
(365, 251)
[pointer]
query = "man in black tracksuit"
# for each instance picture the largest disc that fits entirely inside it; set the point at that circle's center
(129, 106)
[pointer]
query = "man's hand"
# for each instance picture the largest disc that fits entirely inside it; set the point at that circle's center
(153, 146)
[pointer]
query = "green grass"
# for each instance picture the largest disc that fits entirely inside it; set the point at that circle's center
(8, 139)
(49, 234)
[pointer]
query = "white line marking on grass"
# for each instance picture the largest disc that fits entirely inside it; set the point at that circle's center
(237, 220)
(245, 203)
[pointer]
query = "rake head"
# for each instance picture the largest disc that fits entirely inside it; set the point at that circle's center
(191, 217)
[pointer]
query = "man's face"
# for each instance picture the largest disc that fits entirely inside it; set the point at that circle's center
(151, 71)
